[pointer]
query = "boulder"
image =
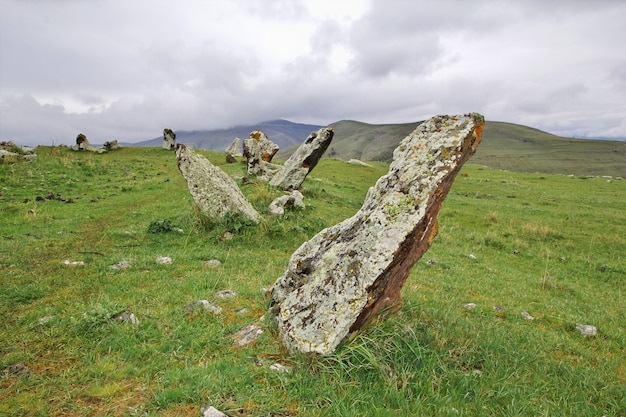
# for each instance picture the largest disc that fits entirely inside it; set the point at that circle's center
(288, 201)
(337, 281)
(258, 152)
(169, 139)
(82, 144)
(301, 162)
(213, 191)
(111, 145)
(235, 148)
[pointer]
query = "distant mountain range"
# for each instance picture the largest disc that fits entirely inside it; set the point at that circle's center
(504, 145)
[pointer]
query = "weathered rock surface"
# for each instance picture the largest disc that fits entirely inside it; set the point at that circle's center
(338, 280)
(111, 145)
(235, 148)
(169, 139)
(298, 166)
(289, 202)
(82, 144)
(258, 152)
(213, 191)
(10, 152)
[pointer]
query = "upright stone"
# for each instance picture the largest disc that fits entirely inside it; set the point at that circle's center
(235, 148)
(169, 139)
(258, 151)
(338, 280)
(213, 191)
(298, 166)
(82, 144)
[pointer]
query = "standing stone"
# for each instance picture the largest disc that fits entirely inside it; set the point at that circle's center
(213, 191)
(298, 166)
(338, 280)
(258, 152)
(82, 144)
(235, 148)
(169, 139)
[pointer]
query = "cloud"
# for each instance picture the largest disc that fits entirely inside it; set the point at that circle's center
(125, 70)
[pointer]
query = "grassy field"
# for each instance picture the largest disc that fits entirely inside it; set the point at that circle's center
(551, 246)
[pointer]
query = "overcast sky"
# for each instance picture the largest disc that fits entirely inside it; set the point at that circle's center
(125, 69)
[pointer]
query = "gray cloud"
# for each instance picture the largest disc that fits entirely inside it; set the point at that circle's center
(124, 70)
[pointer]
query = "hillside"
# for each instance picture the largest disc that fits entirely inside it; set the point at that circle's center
(282, 132)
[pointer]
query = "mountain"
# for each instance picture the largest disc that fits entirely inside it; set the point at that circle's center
(282, 132)
(504, 145)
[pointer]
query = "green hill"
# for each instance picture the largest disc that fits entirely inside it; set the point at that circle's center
(504, 146)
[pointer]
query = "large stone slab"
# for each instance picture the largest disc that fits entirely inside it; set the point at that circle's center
(338, 280)
(213, 191)
(258, 151)
(301, 162)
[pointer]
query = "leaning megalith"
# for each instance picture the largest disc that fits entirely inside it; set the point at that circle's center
(214, 192)
(169, 139)
(298, 166)
(338, 280)
(82, 144)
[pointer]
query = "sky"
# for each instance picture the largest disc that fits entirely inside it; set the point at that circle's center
(126, 69)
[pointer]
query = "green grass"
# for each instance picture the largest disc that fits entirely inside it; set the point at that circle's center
(552, 246)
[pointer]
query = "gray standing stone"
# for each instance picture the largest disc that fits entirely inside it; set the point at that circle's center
(169, 139)
(338, 280)
(235, 148)
(258, 151)
(82, 144)
(213, 191)
(298, 166)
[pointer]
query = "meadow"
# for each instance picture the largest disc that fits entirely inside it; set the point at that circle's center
(509, 243)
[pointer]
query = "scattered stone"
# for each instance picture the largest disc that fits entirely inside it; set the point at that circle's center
(209, 411)
(227, 236)
(213, 191)
(431, 262)
(516, 252)
(230, 159)
(337, 281)
(163, 260)
(126, 317)
(278, 206)
(213, 263)
(123, 264)
(280, 367)
(226, 294)
(111, 145)
(169, 139)
(235, 148)
(469, 306)
(247, 335)
(243, 311)
(17, 369)
(526, 315)
(208, 306)
(471, 256)
(45, 320)
(587, 330)
(303, 160)
(73, 263)
(498, 308)
(357, 162)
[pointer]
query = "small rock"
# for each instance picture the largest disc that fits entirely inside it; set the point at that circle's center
(121, 265)
(208, 306)
(527, 316)
(358, 162)
(227, 236)
(17, 369)
(213, 263)
(45, 320)
(163, 260)
(225, 294)
(498, 308)
(587, 330)
(471, 256)
(210, 411)
(469, 306)
(431, 262)
(73, 263)
(126, 317)
(247, 335)
(279, 367)
(243, 310)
